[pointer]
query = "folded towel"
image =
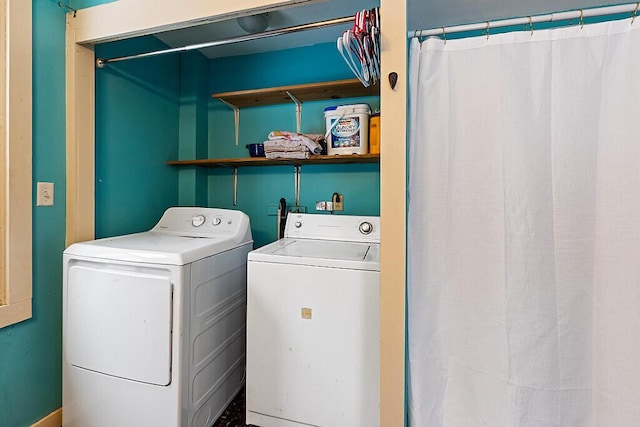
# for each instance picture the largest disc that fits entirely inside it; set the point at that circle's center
(310, 140)
(287, 150)
(287, 154)
(283, 145)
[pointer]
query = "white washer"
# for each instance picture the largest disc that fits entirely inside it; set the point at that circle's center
(154, 322)
(313, 324)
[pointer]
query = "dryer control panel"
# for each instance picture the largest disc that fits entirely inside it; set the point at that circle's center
(203, 222)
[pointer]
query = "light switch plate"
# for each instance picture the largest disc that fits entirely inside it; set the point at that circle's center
(44, 195)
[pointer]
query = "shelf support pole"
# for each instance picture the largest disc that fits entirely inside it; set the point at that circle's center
(298, 110)
(298, 169)
(236, 116)
(235, 185)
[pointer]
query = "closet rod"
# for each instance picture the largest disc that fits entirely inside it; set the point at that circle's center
(528, 20)
(100, 62)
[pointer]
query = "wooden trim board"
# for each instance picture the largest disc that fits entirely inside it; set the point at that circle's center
(54, 419)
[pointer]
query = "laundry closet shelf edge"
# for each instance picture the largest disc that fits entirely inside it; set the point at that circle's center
(263, 161)
(338, 89)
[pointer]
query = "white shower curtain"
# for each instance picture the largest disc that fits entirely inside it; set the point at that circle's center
(524, 229)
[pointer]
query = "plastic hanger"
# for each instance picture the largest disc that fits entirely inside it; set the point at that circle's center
(344, 49)
(360, 46)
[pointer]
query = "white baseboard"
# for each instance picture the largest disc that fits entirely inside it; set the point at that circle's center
(54, 419)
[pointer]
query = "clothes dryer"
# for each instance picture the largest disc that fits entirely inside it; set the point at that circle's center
(313, 324)
(154, 322)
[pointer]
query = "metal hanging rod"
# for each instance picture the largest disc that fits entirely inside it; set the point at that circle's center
(69, 8)
(529, 20)
(100, 62)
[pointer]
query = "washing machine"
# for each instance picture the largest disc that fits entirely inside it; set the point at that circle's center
(154, 323)
(313, 329)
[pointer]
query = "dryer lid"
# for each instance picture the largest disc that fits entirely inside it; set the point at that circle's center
(183, 235)
(153, 247)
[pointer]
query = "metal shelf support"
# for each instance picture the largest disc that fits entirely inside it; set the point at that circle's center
(298, 110)
(236, 116)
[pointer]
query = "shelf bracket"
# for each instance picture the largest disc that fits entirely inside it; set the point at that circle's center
(236, 116)
(235, 185)
(298, 110)
(298, 170)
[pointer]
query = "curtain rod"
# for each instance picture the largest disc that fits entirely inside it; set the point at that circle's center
(100, 62)
(529, 20)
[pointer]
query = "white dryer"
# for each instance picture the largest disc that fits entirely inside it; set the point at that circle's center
(313, 324)
(154, 322)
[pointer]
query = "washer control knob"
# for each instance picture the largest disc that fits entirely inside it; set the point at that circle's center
(216, 221)
(198, 220)
(366, 227)
(298, 224)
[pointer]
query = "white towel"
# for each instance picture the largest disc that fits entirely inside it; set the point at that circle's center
(283, 145)
(310, 140)
(287, 154)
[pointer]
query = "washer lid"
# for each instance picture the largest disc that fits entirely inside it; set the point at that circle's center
(322, 253)
(153, 247)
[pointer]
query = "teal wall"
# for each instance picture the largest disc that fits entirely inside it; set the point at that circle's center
(194, 105)
(31, 351)
(137, 130)
(260, 188)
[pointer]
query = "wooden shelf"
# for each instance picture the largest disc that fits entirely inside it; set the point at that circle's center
(263, 161)
(338, 89)
(305, 92)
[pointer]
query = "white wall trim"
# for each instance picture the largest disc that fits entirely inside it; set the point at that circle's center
(16, 150)
(131, 18)
(80, 145)
(14, 312)
(393, 211)
(54, 419)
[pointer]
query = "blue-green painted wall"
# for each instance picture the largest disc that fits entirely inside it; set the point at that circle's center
(194, 104)
(31, 351)
(260, 188)
(137, 131)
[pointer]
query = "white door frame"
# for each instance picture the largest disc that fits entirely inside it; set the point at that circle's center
(126, 18)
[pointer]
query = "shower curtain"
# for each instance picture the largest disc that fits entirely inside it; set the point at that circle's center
(524, 229)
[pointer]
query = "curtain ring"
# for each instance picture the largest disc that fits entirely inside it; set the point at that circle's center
(635, 12)
(531, 25)
(444, 35)
(581, 20)
(487, 30)
(415, 34)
